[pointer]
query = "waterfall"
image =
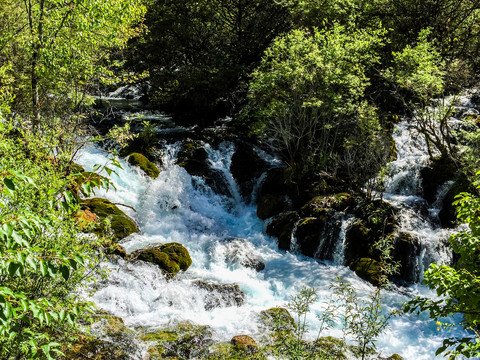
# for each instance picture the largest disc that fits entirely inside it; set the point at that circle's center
(219, 232)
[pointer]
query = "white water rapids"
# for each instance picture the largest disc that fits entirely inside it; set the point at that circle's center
(176, 208)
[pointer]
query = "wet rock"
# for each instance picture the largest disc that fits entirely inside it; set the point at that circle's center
(368, 269)
(194, 159)
(246, 167)
(120, 224)
(277, 318)
(319, 204)
(448, 214)
(439, 170)
(242, 252)
(308, 234)
(171, 258)
(245, 343)
(221, 295)
(357, 241)
(406, 251)
(282, 227)
(143, 163)
(270, 205)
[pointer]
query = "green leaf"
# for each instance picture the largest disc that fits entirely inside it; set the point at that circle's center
(65, 271)
(10, 185)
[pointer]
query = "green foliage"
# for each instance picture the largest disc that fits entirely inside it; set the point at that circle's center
(199, 53)
(42, 257)
(309, 98)
(55, 50)
(458, 284)
(363, 319)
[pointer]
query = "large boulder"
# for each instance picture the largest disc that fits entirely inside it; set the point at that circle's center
(246, 167)
(171, 258)
(320, 204)
(406, 250)
(245, 343)
(448, 214)
(270, 205)
(282, 227)
(368, 269)
(277, 318)
(194, 159)
(87, 347)
(150, 169)
(221, 295)
(438, 171)
(121, 224)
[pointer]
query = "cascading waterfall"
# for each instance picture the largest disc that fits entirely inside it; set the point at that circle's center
(219, 232)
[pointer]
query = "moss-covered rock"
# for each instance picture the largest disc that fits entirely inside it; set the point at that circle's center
(368, 269)
(331, 348)
(270, 205)
(143, 163)
(320, 204)
(277, 318)
(282, 227)
(395, 357)
(245, 343)
(171, 258)
(309, 234)
(120, 224)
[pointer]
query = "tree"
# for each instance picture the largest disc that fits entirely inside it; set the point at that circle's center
(458, 284)
(308, 96)
(199, 53)
(57, 50)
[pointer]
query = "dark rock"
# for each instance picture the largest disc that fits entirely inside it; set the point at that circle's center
(448, 214)
(308, 234)
(194, 159)
(319, 204)
(282, 227)
(368, 269)
(270, 205)
(245, 343)
(357, 241)
(171, 258)
(277, 182)
(241, 252)
(406, 251)
(221, 295)
(143, 163)
(120, 224)
(439, 170)
(246, 167)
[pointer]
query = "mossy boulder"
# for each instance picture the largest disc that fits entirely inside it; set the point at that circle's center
(368, 269)
(331, 348)
(245, 343)
(220, 295)
(395, 357)
(193, 157)
(137, 159)
(309, 233)
(171, 258)
(277, 318)
(320, 204)
(282, 227)
(120, 224)
(438, 171)
(270, 205)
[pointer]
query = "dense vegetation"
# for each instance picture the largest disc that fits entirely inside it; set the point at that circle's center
(319, 82)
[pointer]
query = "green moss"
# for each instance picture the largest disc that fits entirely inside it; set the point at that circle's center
(277, 317)
(320, 204)
(331, 347)
(146, 165)
(120, 224)
(368, 269)
(171, 257)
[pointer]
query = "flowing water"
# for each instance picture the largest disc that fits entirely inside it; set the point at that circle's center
(222, 232)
